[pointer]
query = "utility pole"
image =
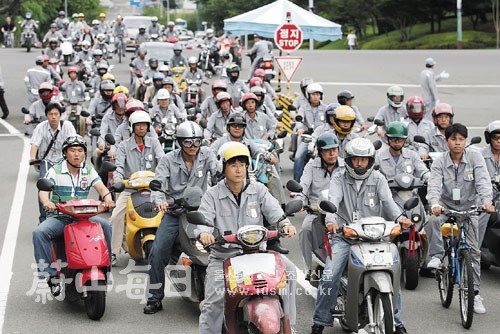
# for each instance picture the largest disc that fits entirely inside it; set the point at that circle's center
(459, 24)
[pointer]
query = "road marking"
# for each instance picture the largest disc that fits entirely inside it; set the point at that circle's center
(387, 84)
(10, 239)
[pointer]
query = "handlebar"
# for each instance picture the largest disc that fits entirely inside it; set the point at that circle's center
(474, 211)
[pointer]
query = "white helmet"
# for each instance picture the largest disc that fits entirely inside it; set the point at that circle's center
(230, 150)
(139, 116)
(314, 88)
(210, 32)
(163, 94)
(359, 147)
(192, 60)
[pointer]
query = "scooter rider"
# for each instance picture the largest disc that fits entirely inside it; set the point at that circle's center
(178, 60)
(37, 109)
(314, 181)
(491, 156)
(52, 50)
(260, 49)
(60, 19)
(188, 166)
(313, 115)
(262, 101)
(112, 118)
(165, 109)
(210, 42)
(458, 181)
(139, 152)
(193, 72)
(141, 36)
(417, 124)
(216, 125)
(73, 87)
(124, 132)
(443, 117)
(346, 98)
(28, 24)
(233, 202)
(101, 69)
(151, 90)
(301, 99)
(259, 125)
(151, 70)
(120, 32)
(170, 32)
(235, 86)
(34, 77)
(102, 102)
(63, 176)
(394, 110)
(208, 106)
(53, 34)
(154, 27)
(358, 192)
(169, 84)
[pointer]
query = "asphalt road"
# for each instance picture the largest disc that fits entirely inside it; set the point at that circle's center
(472, 89)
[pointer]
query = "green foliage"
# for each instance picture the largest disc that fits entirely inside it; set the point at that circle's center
(190, 17)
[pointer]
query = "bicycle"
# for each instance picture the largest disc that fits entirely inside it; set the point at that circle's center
(119, 48)
(457, 263)
(8, 38)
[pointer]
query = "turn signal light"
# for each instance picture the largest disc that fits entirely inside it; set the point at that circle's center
(396, 230)
(349, 232)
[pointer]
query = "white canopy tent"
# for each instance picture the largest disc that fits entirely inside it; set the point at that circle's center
(265, 20)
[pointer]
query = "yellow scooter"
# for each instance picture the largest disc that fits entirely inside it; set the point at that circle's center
(141, 217)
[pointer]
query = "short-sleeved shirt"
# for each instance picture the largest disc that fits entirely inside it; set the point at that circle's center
(43, 134)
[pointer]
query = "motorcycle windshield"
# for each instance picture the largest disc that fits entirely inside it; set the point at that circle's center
(249, 264)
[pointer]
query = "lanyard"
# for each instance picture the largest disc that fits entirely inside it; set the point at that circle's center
(73, 190)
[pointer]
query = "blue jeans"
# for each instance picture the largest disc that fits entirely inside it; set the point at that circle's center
(328, 288)
(160, 256)
(300, 161)
(52, 228)
(44, 167)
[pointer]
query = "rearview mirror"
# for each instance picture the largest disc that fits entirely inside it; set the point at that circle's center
(327, 206)
(107, 167)
(475, 140)
(118, 187)
(196, 218)
(294, 186)
(110, 139)
(411, 203)
(378, 122)
(44, 185)
(84, 113)
(282, 134)
(419, 139)
(293, 206)
(155, 185)
(95, 132)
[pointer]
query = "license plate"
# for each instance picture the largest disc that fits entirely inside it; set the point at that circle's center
(378, 259)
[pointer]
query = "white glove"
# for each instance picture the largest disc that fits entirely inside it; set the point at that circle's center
(444, 75)
(311, 147)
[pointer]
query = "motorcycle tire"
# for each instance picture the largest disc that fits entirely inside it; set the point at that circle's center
(28, 46)
(344, 326)
(444, 277)
(66, 60)
(466, 289)
(383, 314)
(70, 293)
(95, 303)
(409, 272)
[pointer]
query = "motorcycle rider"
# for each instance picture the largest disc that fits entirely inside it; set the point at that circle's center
(346, 98)
(63, 175)
(259, 125)
(52, 50)
(165, 109)
(491, 156)
(54, 131)
(65, 31)
(54, 75)
(104, 27)
(188, 166)
(394, 110)
(340, 121)
(216, 124)
(86, 36)
(193, 73)
(8, 30)
(73, 87)
(152, 69)
(53, 34)
(37, 109)
(28, 24)
(358, 192)
(233, 202)
(178, 60)
(139, 152)
(443, 117)
(313, 115)
(101, 45)
(168, 83)
(211, 43)
(75, 26)
(112, 118)
(84, 56)
(208, 106)
(154, 27)
(101, 69)
(417, 124)
(59, 20)
(301, 99)
(34, 77)
(316, 178)
(120, 32)
(458, 181)
(102, 102)
(235, 87)
(151, 90)
(94, 31)
(261, 74)
(141, 36)
(259, 50)
(138, 67)
(262, 101)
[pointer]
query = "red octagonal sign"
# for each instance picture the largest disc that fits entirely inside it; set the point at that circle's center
(288, 37)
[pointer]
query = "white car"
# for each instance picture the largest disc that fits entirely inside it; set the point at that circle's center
(132, 23)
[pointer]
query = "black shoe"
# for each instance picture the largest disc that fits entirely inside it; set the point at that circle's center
(308, 276)
(400, 329)
(428, 272)
(5, 114)
(152, 307)
(275, 245)
(113, 260)
(317, 329)
(55, 286)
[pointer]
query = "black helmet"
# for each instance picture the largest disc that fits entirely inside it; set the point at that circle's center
(344, 96)
(304, 83)
(153, 63)
(74, 141)
(236, 118)
(232, 68)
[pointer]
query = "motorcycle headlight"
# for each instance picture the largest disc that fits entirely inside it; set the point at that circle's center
(252, 235)
(169, 131)
(374, 231)
(137, 182)
(84, 209)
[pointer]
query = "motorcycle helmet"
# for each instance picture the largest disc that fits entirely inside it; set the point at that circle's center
(344, 96)
(72, 69)
(121, 90)
(177, 47)
(259, 73)
(165, 69)
(163, 94)
(102, 16)
(359, 147)
(259, 92)
(326, 141)
(106, 89)
(74, 16)
(168, 81)
(119, 100)
(61, 13)
(221, 97)
(74, 141)
(492, 129)
(85, 45)
(210, 33)
(39, 60)
(45, 58)
(46, 91)
(192, 60)
(102, 68)
(397, 130)
(171, 24)
(101, 38)
(442, 108)
(153, 63)
(218, 86)
(233, 68)
(232, 150)
(415, 107)
(65, 23)
(132, 106)
(343, 113)
(330, 109)
(188, 130)
(158, 80)
(139, 116)
(393, 92)
(143, 28)
(108, 76)
(154, 19)
(27, 16)
(246, 97)
(236, 118)
(255, 81)
(314, 88)
(81, 15)
(304, 83)
(95, 22)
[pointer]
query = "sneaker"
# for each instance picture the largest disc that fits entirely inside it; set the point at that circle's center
(478, 305)
(152, 307)
(113, 260)
(434, 263)
(400, 329)
(317, 329)
(56, 286)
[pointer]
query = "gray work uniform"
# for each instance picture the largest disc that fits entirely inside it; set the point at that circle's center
(429, 90)
(73, 89)
(236, 90)
(98, 106)
(130, 159)
(436, 140)
(388, 114)
(312, 117)
(109, 124)
(170, 112)
(298, 103)
(178, 61)
(216, 125)
(315, 182)
(494, 171)
(154, 28)
(34, 77)
(141, 38)
(471, 183)
(83, 56)
(259, 49)
(53, 35)
(197, 75)
(219, 207)
(259, 126)
(208, 107)
(123, 133)
(423, 128)
(325, 128)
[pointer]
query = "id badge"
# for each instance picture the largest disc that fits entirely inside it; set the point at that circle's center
(408, 168)
(253, 213)
(456, 194)
(355, 216)
(322, 117)
(200, 171)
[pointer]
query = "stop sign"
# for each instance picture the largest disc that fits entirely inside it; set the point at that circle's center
(288, 37)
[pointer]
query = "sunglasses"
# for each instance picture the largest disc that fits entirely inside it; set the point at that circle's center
(495, 137)
(238, 126)
(188, 143)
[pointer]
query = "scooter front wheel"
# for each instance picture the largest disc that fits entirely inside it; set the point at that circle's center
(409, 270)
(95, 303)
(383, 314)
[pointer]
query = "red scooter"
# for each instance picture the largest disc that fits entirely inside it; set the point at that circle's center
(252, 281)
(82, 256)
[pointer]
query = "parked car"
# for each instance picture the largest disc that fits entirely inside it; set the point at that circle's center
(163, 51)
(133, 23)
